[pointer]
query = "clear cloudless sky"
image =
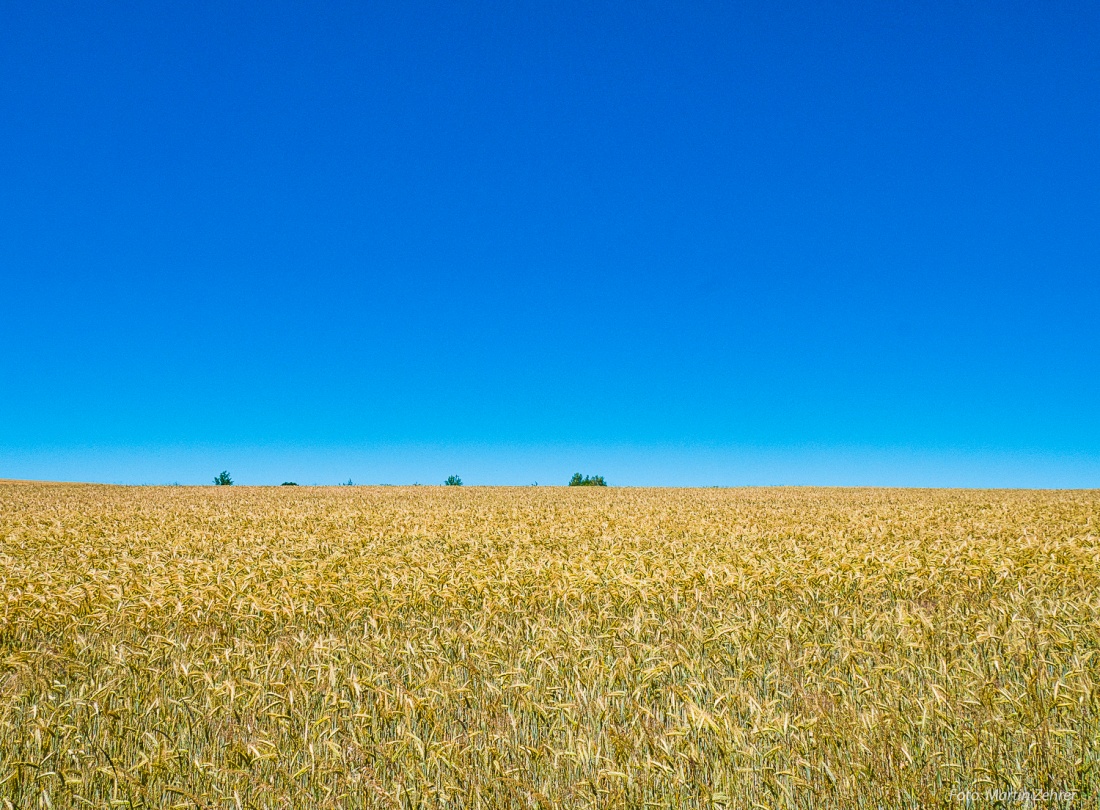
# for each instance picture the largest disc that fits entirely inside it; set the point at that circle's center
(690, 243)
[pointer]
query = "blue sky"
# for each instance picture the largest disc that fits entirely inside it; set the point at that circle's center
(699, 243)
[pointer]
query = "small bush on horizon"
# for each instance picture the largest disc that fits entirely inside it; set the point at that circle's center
(288, 484)
(595, 481)
(223, 479)
(452, 481)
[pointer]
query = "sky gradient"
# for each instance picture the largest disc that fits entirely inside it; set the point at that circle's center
(673, 244)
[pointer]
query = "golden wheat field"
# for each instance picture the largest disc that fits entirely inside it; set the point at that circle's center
(435, 647)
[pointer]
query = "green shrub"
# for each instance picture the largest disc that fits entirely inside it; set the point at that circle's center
(288, 484)
(452, 481)
(223, 479)
(595, 481)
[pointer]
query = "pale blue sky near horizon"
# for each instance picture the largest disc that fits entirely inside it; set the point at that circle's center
(622, 465)
(678, 244)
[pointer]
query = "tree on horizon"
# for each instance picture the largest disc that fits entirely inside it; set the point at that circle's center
(585, 481)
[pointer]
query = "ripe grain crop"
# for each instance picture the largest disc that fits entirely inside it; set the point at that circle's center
(463, 647)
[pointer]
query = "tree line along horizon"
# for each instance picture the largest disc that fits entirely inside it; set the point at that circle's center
(224, 479)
